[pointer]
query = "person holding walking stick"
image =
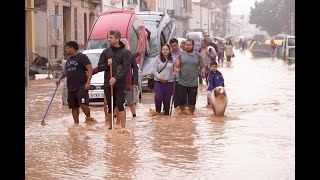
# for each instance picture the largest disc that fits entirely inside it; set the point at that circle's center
(117, 56)
(78, 81)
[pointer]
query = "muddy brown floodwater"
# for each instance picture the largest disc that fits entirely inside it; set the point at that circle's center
(254, 140)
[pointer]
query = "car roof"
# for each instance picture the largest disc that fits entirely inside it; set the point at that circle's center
(108, 20)
(89, 51)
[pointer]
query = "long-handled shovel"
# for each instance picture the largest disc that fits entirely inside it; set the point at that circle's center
(111, 89)
(174, 89)
(54, 93)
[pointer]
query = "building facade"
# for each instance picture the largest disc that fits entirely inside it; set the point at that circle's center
(210, 17)
(56, 22)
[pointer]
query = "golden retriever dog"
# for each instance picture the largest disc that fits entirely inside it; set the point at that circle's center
(219, 100)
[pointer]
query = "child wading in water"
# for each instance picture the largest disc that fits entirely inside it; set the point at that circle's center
(214, 78)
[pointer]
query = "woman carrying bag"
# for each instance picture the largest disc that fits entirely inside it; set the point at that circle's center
(164, 79)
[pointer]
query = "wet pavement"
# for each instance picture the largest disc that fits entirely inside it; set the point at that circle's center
(254, 140)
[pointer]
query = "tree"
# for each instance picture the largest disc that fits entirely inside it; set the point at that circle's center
(271, 15)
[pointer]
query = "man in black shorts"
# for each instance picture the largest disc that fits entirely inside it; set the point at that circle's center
(120, 59)
(78, 83)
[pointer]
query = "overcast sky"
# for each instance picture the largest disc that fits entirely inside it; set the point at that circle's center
(241, 6)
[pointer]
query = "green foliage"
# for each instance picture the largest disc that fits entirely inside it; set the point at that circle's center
(271, 15)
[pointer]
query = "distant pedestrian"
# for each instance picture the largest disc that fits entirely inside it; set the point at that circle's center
(220, 52)
(130, 98)
(212, 43)
(183, 45)
(175, 51)
(208, 54)
(229, 50)
(273, 48)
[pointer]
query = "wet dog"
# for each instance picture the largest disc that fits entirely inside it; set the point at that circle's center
(219, 100)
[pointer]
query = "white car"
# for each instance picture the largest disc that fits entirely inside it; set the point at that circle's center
(96, 93)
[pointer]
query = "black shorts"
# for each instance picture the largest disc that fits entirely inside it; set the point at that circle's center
(189, 93)
(79, 97)
(119, 97)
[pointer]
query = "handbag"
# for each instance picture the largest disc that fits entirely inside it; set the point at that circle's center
(232, 55)
(151, 78)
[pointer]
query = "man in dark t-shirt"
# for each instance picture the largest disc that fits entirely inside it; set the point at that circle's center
(78, 83)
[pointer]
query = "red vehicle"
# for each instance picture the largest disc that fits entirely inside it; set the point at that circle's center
(130, 26)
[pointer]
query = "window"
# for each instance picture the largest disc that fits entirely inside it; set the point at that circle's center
(133, 39)
(137, 26)
(134, 35)
(75, 25)
(291, 42)
(97, 44)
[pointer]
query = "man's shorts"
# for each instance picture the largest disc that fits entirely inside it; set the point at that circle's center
(75, 99)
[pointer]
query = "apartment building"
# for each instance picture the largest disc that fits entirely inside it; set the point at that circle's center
(52, 23)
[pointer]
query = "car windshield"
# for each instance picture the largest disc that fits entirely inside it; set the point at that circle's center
(291, 42)
(94, 58)
(97, 44)
(153, 42)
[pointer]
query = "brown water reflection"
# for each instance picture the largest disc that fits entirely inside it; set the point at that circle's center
(254, 140)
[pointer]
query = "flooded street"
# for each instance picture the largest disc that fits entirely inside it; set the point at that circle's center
(254, 140)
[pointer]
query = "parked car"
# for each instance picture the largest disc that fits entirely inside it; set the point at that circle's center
(96, 93)
(161, 28)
